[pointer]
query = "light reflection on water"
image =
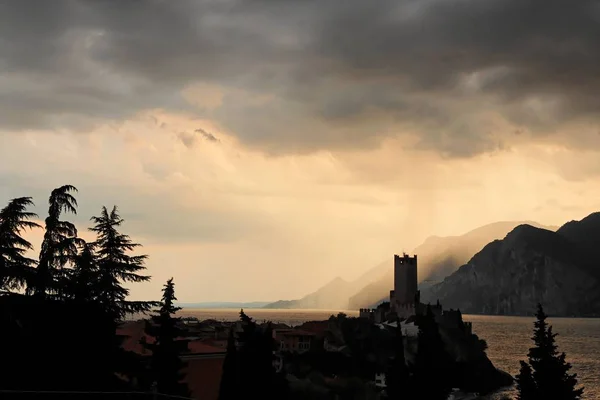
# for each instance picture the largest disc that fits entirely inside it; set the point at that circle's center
(508, 338)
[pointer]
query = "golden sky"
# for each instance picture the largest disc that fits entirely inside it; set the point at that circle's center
(257, 150)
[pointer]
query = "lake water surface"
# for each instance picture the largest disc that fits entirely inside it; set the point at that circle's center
(508, 338)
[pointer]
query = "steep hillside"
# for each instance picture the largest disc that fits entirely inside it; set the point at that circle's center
(528, 266)
(438, 258)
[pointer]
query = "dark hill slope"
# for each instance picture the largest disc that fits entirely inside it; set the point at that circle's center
(528, 266)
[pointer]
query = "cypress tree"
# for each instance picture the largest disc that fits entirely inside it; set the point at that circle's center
(15, 269)
(166, 366)
(228, 387)
(432, 367)
(116, 266)
(255, 360)
(397, 376)
(550, 371)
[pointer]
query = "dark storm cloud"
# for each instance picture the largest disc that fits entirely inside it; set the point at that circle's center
(340, 74)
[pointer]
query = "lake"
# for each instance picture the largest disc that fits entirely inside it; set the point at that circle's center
(508, 338)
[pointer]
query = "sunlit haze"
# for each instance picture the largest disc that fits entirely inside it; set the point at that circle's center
(260, 149)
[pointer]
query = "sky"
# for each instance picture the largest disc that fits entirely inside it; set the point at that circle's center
(260, 148)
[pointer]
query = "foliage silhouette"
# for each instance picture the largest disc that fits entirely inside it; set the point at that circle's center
(228, 389)
(116, 266)
(59, 334)
(166, 366)
(59, 246)
(546, 375)
(15, 268)
(398, 385)
(432, 369)
(250, 363)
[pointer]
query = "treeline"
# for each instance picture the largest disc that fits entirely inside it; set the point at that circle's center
(60, 313)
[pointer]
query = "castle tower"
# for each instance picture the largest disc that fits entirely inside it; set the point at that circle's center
(405, 278)
(405, 294)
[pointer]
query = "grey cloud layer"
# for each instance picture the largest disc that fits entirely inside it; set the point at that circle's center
(340, 74)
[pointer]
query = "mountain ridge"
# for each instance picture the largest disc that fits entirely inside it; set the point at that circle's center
(529, 265)
(373, 286)
(439, 256)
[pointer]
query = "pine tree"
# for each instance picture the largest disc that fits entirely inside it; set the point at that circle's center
(116, 266)
(432, 367)
(166, 367)
(397, 376)
(59, 245)
(550, 376)
(15, 269)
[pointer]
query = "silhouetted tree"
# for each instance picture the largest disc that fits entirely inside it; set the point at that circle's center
(83, 284)
(116, 266)
(255, 360)
(15, 269)
(60, 242)
(84, 353)
(397, 375)
(166, 366)
(525, 384)
(551, 378)
(228, 387)
(432, 368)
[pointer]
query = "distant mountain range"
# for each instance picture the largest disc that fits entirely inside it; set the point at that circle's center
(216, 304)
(503, 268)
(335, 294)
(438, 258)
(530, 265)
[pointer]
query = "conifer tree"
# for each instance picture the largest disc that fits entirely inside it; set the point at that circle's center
(255, 360)
(60, 242)
(116, 266)
(526, 386)
(15, 268)
(84, 277)
(166, 367)
(228, 387)
(432, 367)
(551, 378)
(397, 376)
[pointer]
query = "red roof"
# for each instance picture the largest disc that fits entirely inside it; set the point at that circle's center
(197, 347)
(134, 332)
(317, 327)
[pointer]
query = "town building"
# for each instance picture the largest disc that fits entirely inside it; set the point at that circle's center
(293, 340)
